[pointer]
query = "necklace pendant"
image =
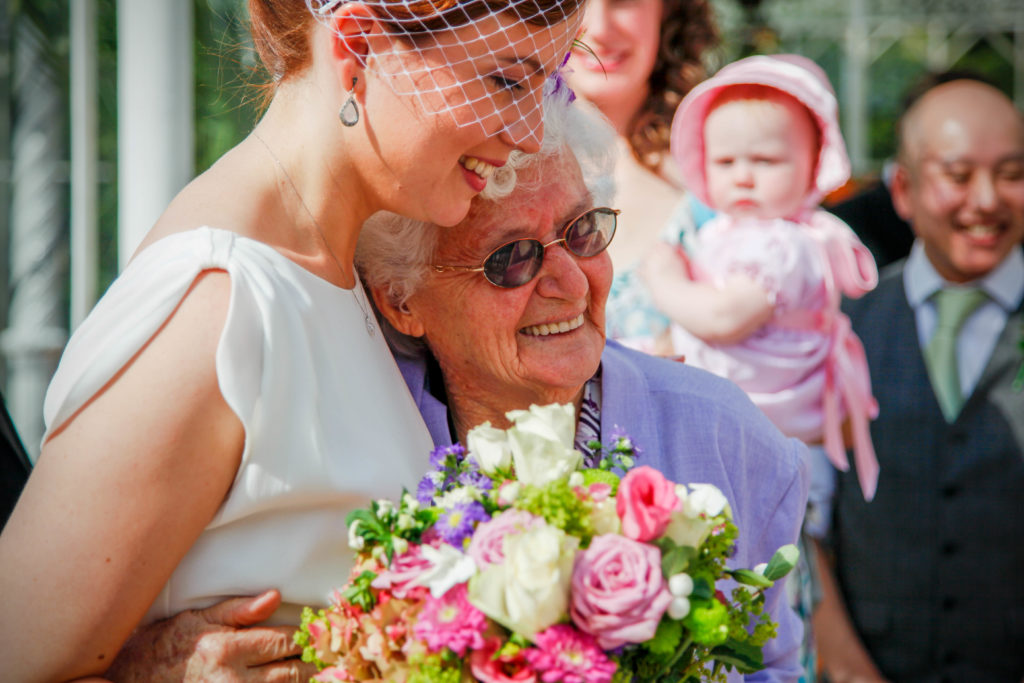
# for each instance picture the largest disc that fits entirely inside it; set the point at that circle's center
(371, 329)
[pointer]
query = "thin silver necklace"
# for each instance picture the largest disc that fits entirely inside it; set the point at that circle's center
(358, 287)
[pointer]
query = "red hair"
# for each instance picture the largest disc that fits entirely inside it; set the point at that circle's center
(280, 28)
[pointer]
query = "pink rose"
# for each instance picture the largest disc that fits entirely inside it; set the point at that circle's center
(645, 503)
(400, 577)
(618, 592)
(486, 545)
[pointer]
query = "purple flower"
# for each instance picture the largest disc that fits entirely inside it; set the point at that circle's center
(476, 479)
(427, 488)
(455, 525)
(621, 438)
(557, 80)
(446, 458)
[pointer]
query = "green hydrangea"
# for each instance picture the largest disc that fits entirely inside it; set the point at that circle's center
(560, 507)
(443, 668)
(601, 477)
(708, 622)
(666, 639)
(303, 639)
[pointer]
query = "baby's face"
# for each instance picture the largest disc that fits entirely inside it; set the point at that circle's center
(759, 157)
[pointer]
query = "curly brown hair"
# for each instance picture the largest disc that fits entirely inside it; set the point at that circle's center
(688, 30)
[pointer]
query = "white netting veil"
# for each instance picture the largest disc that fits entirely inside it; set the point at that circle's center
(483, 62)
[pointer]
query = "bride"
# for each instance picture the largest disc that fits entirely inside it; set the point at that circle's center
(230, 397)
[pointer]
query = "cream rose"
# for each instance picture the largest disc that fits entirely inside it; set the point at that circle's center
(529, 591)
(541, 440)
(698, 514)
(489, 447)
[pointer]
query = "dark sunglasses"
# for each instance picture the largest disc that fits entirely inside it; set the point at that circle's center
(517, 262)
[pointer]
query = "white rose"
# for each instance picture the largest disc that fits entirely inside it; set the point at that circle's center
(705, 499)
(541, 439)
(529, 591)
(686, 530)
(489, 448)
(691, 524)
(508, 492)
(448, 568)
(604, 518)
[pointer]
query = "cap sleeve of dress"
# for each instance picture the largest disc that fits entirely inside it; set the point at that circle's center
(134, 308)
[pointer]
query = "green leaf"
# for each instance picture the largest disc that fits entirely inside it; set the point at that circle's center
(676, 558)
(746, 658)
(360, 592)
(751, 578)
(784, 559)
(702, 589)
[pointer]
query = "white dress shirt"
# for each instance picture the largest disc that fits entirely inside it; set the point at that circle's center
(1005, 288)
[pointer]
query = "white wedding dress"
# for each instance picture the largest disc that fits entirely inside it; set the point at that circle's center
(329, 423)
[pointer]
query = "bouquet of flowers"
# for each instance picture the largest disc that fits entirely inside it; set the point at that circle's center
(519, 562)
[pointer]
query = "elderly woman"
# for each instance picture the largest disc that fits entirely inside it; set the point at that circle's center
(507, 309)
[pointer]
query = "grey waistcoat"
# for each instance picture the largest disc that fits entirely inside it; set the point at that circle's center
(933, 569)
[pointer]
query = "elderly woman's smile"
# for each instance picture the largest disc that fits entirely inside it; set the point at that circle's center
(545, 329)
(541, 341)
(537, 342)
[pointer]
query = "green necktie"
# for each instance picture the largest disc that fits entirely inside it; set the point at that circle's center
(954, 305)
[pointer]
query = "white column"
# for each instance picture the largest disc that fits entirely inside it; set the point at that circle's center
(84, 181)
(855, 101)
(155, 112)
(35, 333)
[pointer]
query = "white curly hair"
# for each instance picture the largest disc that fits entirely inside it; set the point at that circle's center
(393, 251)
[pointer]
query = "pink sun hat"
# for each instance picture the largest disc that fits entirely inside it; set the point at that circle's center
(793, 74)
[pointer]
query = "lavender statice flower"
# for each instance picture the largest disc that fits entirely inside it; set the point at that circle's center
(428, 487)
(476, 479)
(456, 525)
(447, 458)
(622, 440)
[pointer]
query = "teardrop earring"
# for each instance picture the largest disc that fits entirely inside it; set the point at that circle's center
(349, 113)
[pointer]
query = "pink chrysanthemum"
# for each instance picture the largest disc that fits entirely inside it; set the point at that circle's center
(562, 653)
(450, 621)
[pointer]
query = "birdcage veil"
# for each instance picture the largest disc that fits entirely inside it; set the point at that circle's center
(482, 62)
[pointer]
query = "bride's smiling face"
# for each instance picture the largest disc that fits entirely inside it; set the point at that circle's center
(539, 342)
(444, 115)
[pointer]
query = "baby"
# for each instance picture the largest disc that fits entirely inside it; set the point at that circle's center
(756, 299)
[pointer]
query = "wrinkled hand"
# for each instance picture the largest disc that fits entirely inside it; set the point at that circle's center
(217, 644)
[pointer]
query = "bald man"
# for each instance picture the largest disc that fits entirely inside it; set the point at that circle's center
(926, 581)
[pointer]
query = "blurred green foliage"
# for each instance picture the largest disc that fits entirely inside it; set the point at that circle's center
(757, 27)
(228, 97)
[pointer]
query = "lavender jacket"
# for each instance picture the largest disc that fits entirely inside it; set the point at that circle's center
(695, 428)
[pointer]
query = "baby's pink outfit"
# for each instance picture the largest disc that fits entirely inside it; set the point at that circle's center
(805, 368)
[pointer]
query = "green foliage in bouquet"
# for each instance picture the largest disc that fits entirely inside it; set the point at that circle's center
(509, 562)
(717, 635)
